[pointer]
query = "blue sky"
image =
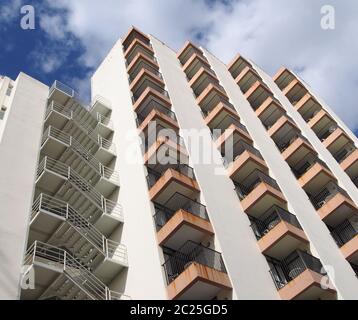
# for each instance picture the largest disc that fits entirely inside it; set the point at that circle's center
(72, 37)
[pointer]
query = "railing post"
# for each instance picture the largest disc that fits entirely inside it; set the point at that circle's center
(104, 244)
(40, 203)
(67, 210)
(64, 260)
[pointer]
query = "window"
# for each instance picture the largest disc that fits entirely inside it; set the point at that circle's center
(8, 91)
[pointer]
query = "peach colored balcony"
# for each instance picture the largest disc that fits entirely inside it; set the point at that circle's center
(221, 117)
(350, 164)
(300, 276)
(151, 99)
(211, 97)
(257, 94)
(133, 34)
(238, 64)
(139, 63)
(194, 64)
(337, 140)
(138, 46)
(231, 136)
(308, 107)
(247, 78)
(202, 79)
(294, 91)
(322, 124)
(195, 272)
(187, 51)
(270, 111)
(180, 219)
(258, 192)
(283, 77)
(144, 80)
(278, 232)
(298, 150)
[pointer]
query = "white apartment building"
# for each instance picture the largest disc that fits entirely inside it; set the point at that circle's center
(185, 178)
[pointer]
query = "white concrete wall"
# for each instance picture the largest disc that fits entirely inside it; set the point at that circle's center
(246, 266)
(19, 151)
(321, 241)
(144, 278)
(5, 100)
(343, 179)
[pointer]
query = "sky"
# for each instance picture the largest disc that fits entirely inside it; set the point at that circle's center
(71, 37)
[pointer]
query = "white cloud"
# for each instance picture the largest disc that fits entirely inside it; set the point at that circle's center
(272, 33)
(9, 12)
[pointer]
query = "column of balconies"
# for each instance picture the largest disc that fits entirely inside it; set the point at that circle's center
(278, 231)
(333, 137)
(181, 220)
(75, 210)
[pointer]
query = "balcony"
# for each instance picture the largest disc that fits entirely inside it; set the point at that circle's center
(337, 141)
(283, 77)
(323, 125)
(188, 51)
(132, 35)
(144, 80)
(139, 63)
(308, 107)
(195, 272)
(350, 164)
(258, 192)
(101, 105)
(278, 232)
(61, 93)
(221, 117)
(238, 65)
(61, 276)
(299, 277)
(202, 79)
(180, 219)
(246, 79)
(56, 222)
(211, 97)
(151, 99)
(228, 139)
(258, 94)
(269, 112)
(298, 150)
(138, 46)
(295, 91)
(243, 160)
(283, 132)
(346, 237)
(178, 178)
(194, 64)
(333, 204)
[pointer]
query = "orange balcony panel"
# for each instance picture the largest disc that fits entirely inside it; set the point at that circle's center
(211, 97)
(140, 57)
(145, 75)
(202, 79)
(297, 151)
(261, 199)
(237, 65)
(235, 133)
(246, 163)
(198, 282)
(350, 164)
(350, 250)
(257, 94)
(135, 47)
(282, 240)
(307, 105)
(270, 110)
(161, 119)
(192, 66)
(247, 78)
(320, 120)
(316, 177)
(336, 140)
(183, 226)
(283, 77)
(171, 182)
(295, 91)
(148, 94)
(132, 34)
(187, 51)
(218, 114)
(337, 209)
(284, 124)
(306, 286)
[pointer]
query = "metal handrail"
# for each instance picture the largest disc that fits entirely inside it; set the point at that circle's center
(344, 232)
(243, 146)
(320, 199)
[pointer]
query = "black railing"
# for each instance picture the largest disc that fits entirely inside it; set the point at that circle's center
(284, 144)
(291, 267)
(252, 181)
(153, 86)
(189, 253)
(141, 116)
(163, 213)
(343, 233)
(326, 194)
(343, 154)
(307, 166)
(273, 217)
(326, 132)
(238, 149)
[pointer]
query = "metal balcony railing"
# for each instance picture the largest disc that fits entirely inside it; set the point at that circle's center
(178, 201)
(189, 253)
(284, 143)
(272, 218)
(327, 194)
(343, 233)
(153, 176)
(83, 152)
(307, 166)
(244, 188)
(109, 248)
(57, 85)
(157, 88)
(60, 259)
(102, 100)
(107, 206)
(291, 267)
(344, 154)
(326, 132)
(239, 148)
(141, 116)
